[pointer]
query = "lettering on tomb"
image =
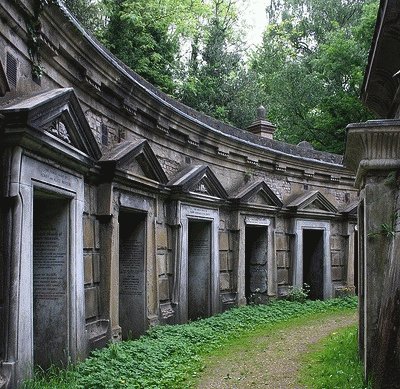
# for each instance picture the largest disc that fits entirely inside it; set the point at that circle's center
(132, 290)
(50, 281)
(131, 267)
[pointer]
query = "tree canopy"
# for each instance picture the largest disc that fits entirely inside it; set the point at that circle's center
(308, 70)
(311, 67)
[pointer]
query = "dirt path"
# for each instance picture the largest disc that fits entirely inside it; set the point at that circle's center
(269, 360)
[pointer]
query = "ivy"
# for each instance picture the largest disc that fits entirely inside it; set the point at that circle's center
(34, 27)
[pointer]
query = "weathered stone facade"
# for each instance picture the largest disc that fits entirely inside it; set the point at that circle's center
(372, 151)
(122, 208)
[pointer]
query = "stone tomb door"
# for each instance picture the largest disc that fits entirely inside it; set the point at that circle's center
(51, 298)
(199, 269)
(132, 279)
(313, 262)
(256, 258)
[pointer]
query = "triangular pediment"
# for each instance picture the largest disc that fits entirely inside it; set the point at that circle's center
(135, 157)
(351, 209)
(316, 206)
(198, 179)
(258, 193)
(56, 113)
(313, 201)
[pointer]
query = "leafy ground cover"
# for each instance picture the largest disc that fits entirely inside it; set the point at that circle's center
(334, 363)
(168, 356)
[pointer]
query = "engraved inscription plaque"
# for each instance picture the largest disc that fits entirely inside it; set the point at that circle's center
(50, 281)
(132, 308)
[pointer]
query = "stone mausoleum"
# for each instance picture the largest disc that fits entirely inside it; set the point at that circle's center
(122, 209)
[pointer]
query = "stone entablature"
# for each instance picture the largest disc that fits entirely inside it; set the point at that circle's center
(373, 145)
(159, 201)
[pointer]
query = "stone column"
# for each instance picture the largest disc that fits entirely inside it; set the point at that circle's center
(373, 152)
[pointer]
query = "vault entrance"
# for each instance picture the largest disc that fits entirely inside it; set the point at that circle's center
(199, 269)
(132, 289)
(256, 254)
(313, 262)
(51, 297)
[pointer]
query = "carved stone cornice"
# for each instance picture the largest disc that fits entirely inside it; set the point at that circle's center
(373, 145)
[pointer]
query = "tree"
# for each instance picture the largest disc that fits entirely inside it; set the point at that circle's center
(146, 35)
(89, 13)
(310, 67)
(215, 79)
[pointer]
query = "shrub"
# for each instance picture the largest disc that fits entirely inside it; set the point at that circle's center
(298, 293)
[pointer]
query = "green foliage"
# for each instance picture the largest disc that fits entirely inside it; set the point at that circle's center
(298, 293)
(215, 80)
(386, 229)
(311, 67)
(90, 13)
(334, 363)
(169, 355)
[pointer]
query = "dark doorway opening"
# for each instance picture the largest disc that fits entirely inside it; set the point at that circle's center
(313, 262)
(51, 297)
(132, 277)
(199, 269)
(256, 257)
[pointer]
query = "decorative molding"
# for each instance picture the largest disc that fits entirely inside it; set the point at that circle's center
(251, 161)
(139, 152)
(373, 145)
(193, 142)
(313, 201)
(164, 130)
(91, 83)
(47, 45)
(280, 168)
(198, 179)
(262, 188)
(59, 129)
(131, 110)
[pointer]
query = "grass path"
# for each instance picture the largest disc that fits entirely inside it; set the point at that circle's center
(173, 356)
(271, 359)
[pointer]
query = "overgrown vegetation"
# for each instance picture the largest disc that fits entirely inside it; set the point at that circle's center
(298, 293)
(168, 356)
(334, 363)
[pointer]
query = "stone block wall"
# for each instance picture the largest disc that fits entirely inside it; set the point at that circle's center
(338, 258)
(283, 262)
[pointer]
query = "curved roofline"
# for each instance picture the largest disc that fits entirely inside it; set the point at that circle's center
(231, 132)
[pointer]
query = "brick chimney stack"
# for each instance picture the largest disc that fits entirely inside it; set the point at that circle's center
(261, 126)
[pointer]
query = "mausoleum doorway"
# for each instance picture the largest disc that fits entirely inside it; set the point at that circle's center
(312, 257)
(196, 279)
(51, 286)
(132, 276)
(256, 260)
(199, 269)
(313, 262)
